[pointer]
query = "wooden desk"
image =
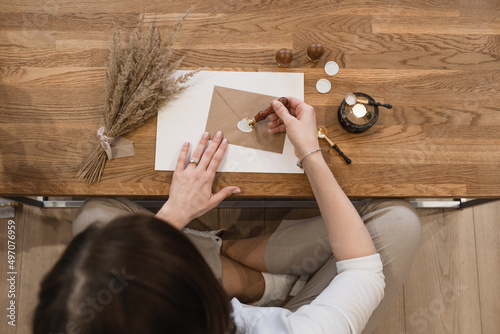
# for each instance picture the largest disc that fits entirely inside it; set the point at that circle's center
(437, 62)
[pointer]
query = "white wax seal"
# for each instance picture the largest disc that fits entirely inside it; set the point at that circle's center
(323, 86)
(243, 126)
(331, 68)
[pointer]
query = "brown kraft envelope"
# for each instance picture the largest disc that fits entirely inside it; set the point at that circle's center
(229, 106)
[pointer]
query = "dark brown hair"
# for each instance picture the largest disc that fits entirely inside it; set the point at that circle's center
(136, 274)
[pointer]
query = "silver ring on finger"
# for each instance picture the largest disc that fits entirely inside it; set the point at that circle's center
(192, 161)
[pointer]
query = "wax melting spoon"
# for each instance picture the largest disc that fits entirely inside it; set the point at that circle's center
(322, 132)
(352, 99)
(247, 124)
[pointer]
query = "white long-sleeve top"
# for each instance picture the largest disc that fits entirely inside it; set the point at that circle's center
(343, 307)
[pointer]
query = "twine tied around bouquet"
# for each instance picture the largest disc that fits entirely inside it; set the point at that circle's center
(109, 148)
(118, 147)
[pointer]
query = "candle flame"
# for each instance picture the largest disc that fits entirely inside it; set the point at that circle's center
(359, 110)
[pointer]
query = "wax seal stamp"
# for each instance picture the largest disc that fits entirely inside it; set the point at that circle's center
(314, 52)
(247, 124)
(284, 57)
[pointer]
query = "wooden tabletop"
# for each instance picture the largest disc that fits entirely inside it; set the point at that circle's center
(437, 62)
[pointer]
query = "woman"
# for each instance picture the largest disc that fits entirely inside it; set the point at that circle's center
(135, 273)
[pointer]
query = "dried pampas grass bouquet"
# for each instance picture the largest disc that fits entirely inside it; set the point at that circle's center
(139, 81)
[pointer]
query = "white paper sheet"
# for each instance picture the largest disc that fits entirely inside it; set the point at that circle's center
(185, 117)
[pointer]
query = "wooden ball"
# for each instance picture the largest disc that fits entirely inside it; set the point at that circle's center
(284, 101)
(315, 51)
(284, 57)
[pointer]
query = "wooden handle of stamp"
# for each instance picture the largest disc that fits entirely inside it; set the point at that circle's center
(261, 115)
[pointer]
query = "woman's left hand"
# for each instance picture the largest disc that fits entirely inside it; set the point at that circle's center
(191, 189)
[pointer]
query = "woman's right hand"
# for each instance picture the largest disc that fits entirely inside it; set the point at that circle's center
(299, 124)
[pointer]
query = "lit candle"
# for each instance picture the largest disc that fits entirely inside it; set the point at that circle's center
(359, 110)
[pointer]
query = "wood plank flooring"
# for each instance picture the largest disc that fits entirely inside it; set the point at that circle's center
(453, 286)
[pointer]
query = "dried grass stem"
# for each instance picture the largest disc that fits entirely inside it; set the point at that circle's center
(139, 81)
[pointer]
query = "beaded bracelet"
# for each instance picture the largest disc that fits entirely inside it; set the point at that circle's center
(299, 163)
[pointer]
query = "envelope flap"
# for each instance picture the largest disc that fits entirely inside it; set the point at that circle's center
(229, 106)
(221, 117)
(244, 104)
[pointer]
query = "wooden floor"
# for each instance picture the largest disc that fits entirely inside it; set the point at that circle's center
(453, 286)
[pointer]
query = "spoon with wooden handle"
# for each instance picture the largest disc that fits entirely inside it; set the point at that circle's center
(352, 99)
(322, 132)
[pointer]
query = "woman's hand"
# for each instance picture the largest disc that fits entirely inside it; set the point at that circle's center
(191, 189)
(299, 124)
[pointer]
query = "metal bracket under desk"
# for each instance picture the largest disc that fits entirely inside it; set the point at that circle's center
(461, 203)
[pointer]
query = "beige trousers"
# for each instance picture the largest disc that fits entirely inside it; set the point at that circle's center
(302, 246)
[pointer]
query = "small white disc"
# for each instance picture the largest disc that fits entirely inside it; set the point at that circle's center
(350, 99)
(323, 86)
(331, 68)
